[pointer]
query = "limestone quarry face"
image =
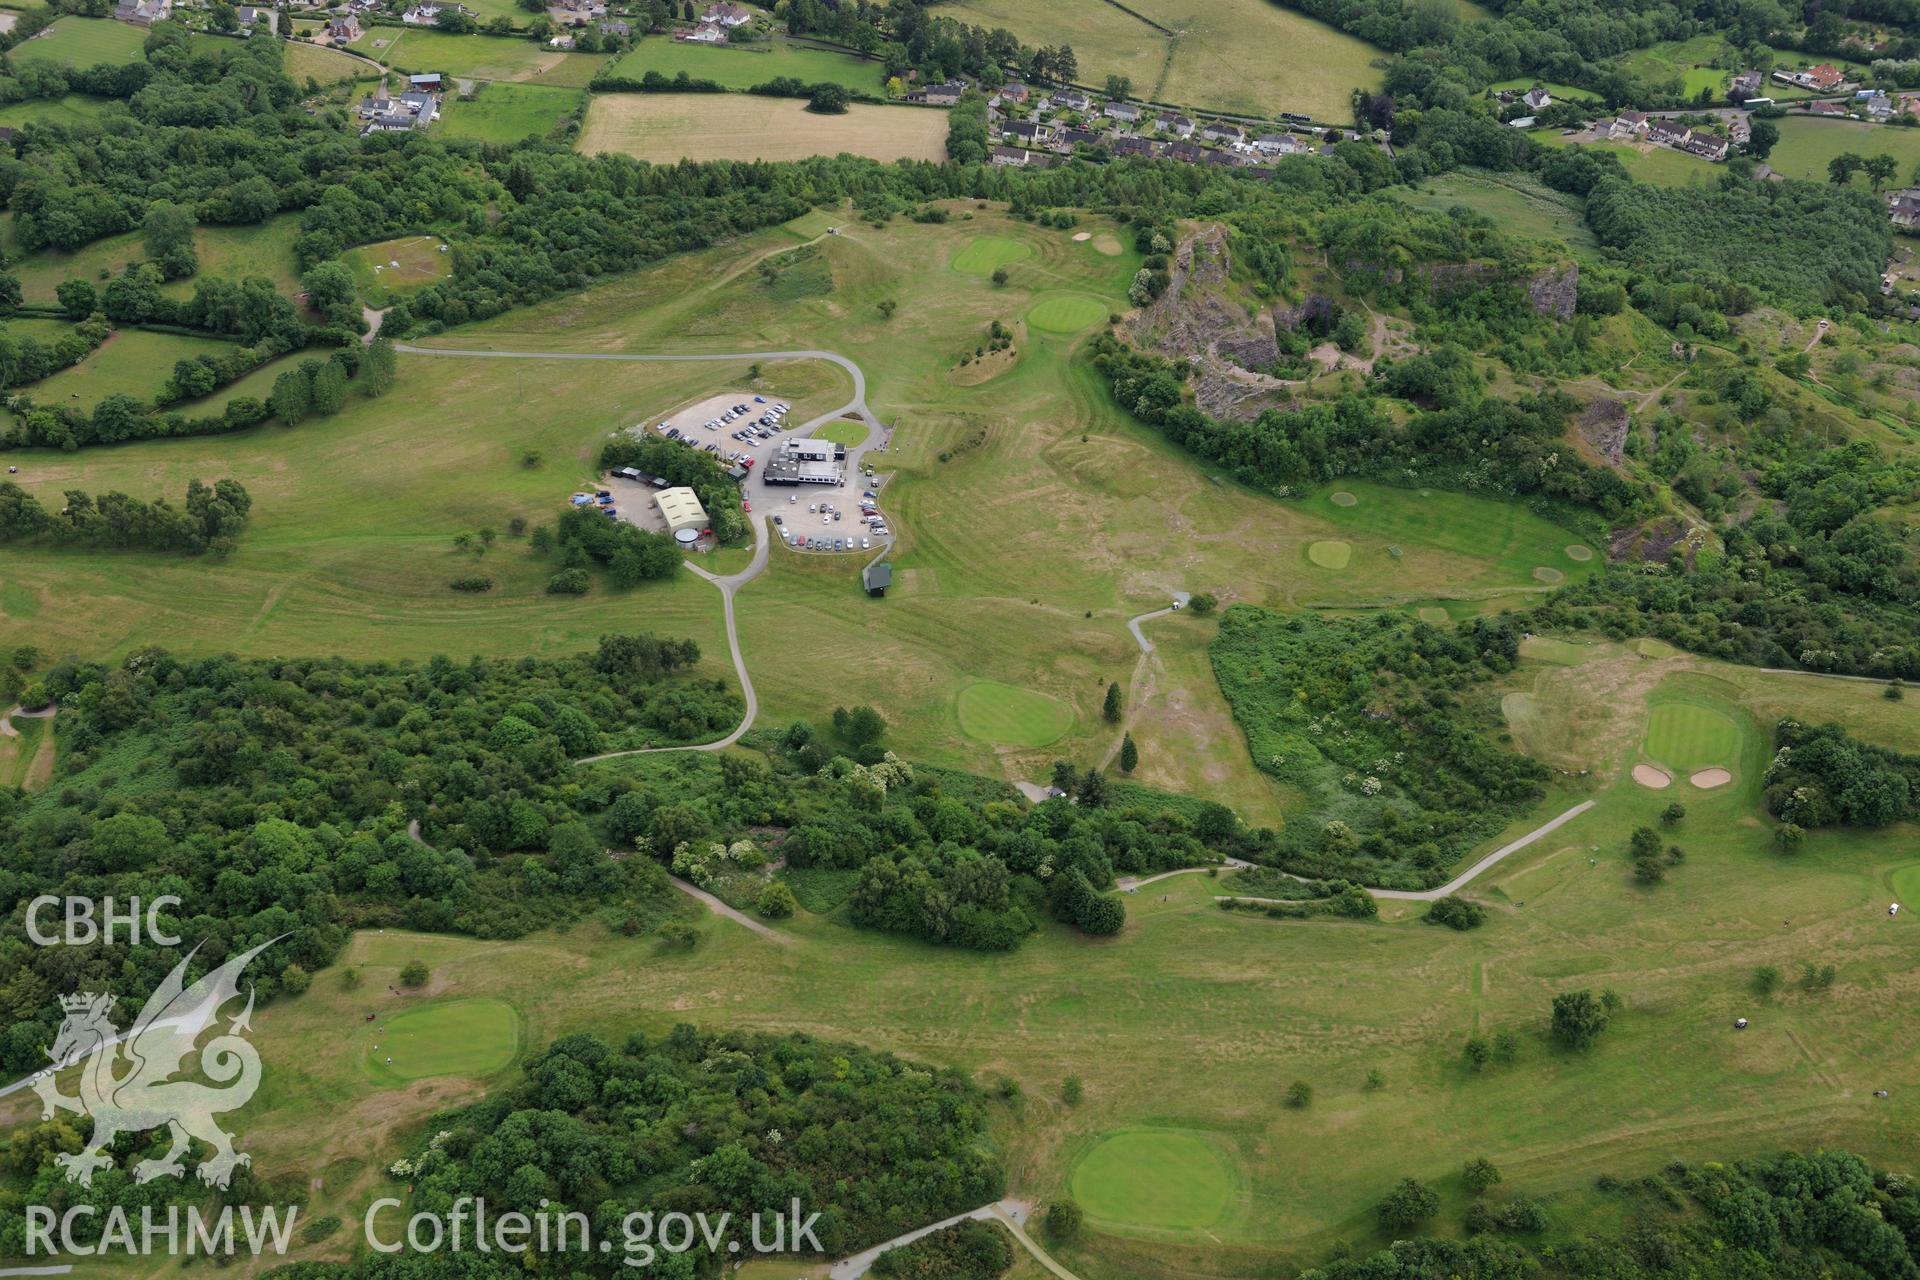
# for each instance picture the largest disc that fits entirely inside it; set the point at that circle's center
(1226, 344)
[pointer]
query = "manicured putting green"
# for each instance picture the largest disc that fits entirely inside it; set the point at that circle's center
(474, 1038)
(1578, 552)
(1066, 314)
(1331, 554)
(1544, 574)
(846, 431)
(1157, 1178)
(1906, 883)
(988, 253)
(1011, 717)
(1109, 245)
(1689, 735)
(1341, 498)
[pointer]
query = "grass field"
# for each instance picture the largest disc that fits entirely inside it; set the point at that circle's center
(130, 362)
(233, 252)
(85, 42)
(1662, 166)
(1245, 56)
(1155, 1179)
(391, 269)
(1692, 734)
(26, 756)
(1330, 553)
(1067, 313)
(478, 57)
(847, 431)
(1560, 92)
(71, 109)
(474, 1037)
(1516, 201)
(986, 254)
(666, 127)
(1003, 715)
(1906, 883)
(1807, 144)
(740, 67)
(504, 113)
(304, 61)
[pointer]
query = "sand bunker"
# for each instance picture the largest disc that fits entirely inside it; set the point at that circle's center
(1344, 499)
(1082, 237)
(1648, 776)
(1578, 552)
(1707, 779)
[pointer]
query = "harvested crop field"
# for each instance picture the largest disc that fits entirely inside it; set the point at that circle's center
(666, 127)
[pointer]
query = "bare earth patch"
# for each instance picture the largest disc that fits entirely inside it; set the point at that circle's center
(1648, 776)
(1082, 236)
(1707, 779)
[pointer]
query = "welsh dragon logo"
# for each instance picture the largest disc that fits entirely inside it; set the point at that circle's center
(125, 1078)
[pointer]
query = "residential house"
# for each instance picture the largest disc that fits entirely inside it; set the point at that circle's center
(1537, 98)
(1668, 134)
(1707, 146)
(245, 17)
(1225, 159)
(1631, 126)
(1280, 144)
(143, 13)
(727, 15)
(1130, 146)
(1188, 152)
(1748, 84)
(1072, 138)
(1827, 108)
(1879, 107)
(1014, 91)
(1178, 126)
(1220, 131)
(939, 95)
(1027, 131)
(561, 43)
(1014, 157)
(1826, 77)
(1073, 100)
(343, 28)
(1124, 112)
(421, 15)
(1904, 208)
(702, 35)
(398, 114)
(615, 27)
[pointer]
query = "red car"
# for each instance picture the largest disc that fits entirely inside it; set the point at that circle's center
(745, 505)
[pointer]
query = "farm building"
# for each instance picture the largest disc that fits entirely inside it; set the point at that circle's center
(681, 508)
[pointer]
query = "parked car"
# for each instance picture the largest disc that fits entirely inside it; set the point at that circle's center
(759, 399)
(864, 544)
(778, 519)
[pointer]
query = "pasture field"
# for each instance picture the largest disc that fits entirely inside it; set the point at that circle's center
(1662, 166)
(504, 113)
(477, 57)
(389, 270)
(1516, 201)
(304, 60)
(742, 67)
(235, 252)
(130, 362)
(474, 1037)
(1244, 56)
(1688, 60)
(1217, 1011)
(667, 127)
(85, 42)
(1807, 143)
(69, 109)
(1033, 517)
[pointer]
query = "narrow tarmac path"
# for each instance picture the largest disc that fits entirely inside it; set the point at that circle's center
(1009, 1213)
(720, 908)
(1486, 863)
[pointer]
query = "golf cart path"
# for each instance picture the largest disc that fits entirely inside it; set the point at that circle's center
(6, 722)
(1010, 1213)
(720, 908)
(1125, 883)
(729, 584)
(1486, 863)
(1133, 624)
